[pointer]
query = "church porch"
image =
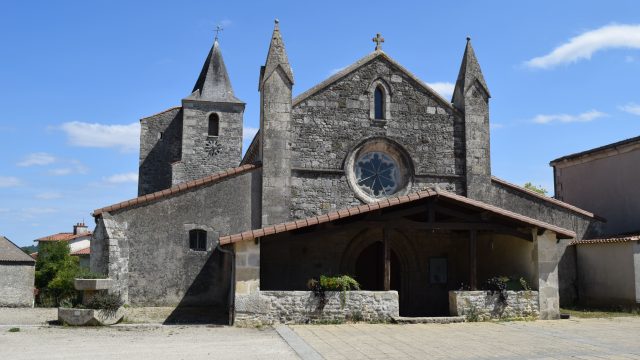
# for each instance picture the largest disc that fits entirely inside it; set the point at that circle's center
(417, 252)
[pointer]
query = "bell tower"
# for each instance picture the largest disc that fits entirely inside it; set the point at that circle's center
(211, 123)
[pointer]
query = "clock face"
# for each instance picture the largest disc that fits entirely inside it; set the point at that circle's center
(377, 174)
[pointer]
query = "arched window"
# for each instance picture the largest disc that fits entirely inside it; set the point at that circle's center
(198, 240)
(379, 103)
(214, 124)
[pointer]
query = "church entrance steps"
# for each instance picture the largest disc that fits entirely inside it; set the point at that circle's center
(428, 320)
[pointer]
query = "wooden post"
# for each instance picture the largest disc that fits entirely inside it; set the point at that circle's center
(473, 260)
(387, 260)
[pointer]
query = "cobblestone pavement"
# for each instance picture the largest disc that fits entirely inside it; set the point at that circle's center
(617, 338)
(142, 342)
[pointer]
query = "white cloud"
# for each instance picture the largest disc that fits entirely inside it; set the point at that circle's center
(496, 126)
(566, 118)
(49, 195)
(40, 158)
(4, 210)
(39, 211)
(629, 59)
(586, 44)
(248, 133)
(631, 108)
(122, 178)
(124, 137)
(75, 167)
(336, 70)
(9, 181)
(443, 88)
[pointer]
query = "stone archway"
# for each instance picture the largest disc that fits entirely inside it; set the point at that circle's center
(405, 264)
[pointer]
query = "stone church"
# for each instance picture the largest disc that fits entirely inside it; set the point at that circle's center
(370, 173)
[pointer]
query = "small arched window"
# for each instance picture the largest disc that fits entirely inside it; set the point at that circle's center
(214, 124)
(198, 240)
(378, 102)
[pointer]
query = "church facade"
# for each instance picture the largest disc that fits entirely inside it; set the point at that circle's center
(370, 173)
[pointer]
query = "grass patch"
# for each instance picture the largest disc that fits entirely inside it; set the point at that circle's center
(594, 313)
(14, 330)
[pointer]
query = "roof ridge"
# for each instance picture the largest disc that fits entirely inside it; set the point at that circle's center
(598, 149)
(162, 112)
(548, 199)
(381, 204)
(188, 185)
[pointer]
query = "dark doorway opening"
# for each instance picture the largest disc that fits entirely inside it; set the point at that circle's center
(370, 268)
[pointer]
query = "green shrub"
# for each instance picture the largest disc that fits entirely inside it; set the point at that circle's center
(342, 283)
(14, 329)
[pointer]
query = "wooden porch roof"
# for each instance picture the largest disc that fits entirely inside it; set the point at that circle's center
(393, 202)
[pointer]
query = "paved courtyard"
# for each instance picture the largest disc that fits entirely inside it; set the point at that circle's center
(616, 338)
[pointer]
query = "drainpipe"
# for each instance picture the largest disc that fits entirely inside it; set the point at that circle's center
(232, 286)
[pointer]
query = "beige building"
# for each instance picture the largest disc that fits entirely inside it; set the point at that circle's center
(605, 180)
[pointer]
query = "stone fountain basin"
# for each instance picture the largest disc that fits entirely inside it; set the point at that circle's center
(92, 284)
(88, 317)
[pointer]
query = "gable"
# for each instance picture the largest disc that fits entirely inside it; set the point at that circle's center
(347, 73)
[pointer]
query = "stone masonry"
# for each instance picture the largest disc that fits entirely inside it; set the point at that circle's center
(486, 305)
(16, 282)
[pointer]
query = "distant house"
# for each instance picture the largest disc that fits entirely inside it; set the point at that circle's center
(79, 242)
(17, 271)
(605, 180)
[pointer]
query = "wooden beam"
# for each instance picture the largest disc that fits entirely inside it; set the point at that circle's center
(387, 260)
(473, 260)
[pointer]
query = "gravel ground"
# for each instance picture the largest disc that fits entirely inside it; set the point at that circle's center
(142, 342)
(27, 316)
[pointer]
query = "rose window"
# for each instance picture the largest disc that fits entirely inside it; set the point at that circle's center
(377, 174)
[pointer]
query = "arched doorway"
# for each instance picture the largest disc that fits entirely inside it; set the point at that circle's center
(369, 269)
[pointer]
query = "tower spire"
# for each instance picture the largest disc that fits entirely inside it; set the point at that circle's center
(469, 73)
(276, 57)
(213, 84)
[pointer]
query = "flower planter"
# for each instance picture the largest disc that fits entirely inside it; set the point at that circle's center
(89, 317)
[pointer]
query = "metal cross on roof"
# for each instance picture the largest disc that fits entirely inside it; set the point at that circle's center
(217, 30)
(378, 40)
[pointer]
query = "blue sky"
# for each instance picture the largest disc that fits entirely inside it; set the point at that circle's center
(75, 77)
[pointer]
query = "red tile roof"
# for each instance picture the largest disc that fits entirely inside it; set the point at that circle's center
(546, 198)
(390, 202)
(609, 240)
(85, 251)
(63, 236)
(177, 189)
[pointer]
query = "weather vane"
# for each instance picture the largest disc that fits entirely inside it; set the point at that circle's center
(217, 30)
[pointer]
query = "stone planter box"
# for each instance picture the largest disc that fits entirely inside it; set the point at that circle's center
(92, 284)
(486, 305)
(88, 317)
(301, 307)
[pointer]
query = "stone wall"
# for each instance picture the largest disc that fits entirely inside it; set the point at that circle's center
(160, 144)
(146, 248)
(485, 305)
(519, 201)
(197, 161)
(331, 123)
(302, 307)
(16, 284)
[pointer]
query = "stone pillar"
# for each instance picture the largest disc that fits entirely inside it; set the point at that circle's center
(636, 267)
(110, 254)
(545, 256)
(248, 305)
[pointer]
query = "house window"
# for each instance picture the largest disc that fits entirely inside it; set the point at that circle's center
(379, 103)
(198, 240)
(214, 124)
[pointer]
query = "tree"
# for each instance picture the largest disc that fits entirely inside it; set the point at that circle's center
(55, 271)
(539, 189)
